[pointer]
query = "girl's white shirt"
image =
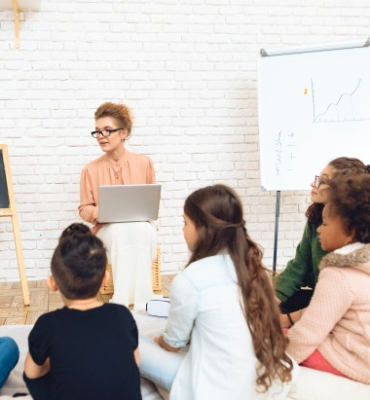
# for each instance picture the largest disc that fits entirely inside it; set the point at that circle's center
(220, 362)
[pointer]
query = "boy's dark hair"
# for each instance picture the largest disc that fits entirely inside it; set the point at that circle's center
(79, 262)
(342, 166)
(350, 200)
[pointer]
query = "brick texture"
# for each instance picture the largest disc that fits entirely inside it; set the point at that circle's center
(188, 71)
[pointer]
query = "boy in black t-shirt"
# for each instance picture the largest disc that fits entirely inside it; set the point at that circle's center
(87, 349)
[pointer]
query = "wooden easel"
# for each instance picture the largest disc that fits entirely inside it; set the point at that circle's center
(9, 210)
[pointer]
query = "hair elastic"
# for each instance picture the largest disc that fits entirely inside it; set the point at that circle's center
(290, 320)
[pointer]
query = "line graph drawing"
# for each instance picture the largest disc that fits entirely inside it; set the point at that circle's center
(346, 106)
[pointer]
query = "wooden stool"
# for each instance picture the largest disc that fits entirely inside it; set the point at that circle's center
(156, 277)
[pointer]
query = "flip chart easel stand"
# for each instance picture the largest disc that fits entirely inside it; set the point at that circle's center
(12, 213)
(277, 215)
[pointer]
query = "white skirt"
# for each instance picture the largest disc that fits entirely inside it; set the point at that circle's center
(131, 249)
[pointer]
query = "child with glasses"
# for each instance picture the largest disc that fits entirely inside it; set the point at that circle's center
(87, 349)
(302, 271)
(333, 334)
(131, 246)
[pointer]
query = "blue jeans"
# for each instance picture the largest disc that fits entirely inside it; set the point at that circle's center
(157, 364)
(9, 356)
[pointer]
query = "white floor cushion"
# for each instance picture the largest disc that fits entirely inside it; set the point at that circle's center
(316, 385)
(311, 384)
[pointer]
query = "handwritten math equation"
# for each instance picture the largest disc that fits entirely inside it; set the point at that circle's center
(285, 147)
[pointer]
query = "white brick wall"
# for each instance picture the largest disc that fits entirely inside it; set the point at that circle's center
(188, 71)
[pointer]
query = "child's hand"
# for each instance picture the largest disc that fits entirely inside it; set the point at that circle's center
(159, 340)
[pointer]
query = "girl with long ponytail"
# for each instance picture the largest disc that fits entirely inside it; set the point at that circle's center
(223, 313)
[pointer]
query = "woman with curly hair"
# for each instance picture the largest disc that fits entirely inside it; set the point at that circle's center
(333, 334)
(223, 305)
(302, 271)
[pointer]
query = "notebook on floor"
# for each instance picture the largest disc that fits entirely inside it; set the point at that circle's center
(129, 203)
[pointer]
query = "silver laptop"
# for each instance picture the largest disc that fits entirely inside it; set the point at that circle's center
(129, 203)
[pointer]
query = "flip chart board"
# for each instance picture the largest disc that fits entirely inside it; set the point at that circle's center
(313, 107)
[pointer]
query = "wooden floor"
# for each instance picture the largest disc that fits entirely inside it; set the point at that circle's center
(12, 311)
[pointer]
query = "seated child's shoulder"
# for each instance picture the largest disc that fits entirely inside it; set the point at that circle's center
(117, 309)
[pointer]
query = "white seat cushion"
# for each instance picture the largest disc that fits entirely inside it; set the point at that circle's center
(316, 385)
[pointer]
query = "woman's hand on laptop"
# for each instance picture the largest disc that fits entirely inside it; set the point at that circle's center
(96, 228)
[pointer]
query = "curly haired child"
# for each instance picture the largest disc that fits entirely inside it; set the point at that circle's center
(333, 334)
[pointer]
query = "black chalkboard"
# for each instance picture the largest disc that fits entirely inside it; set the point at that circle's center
(4, 194)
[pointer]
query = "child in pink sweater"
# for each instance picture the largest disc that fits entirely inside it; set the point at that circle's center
(333, 334)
